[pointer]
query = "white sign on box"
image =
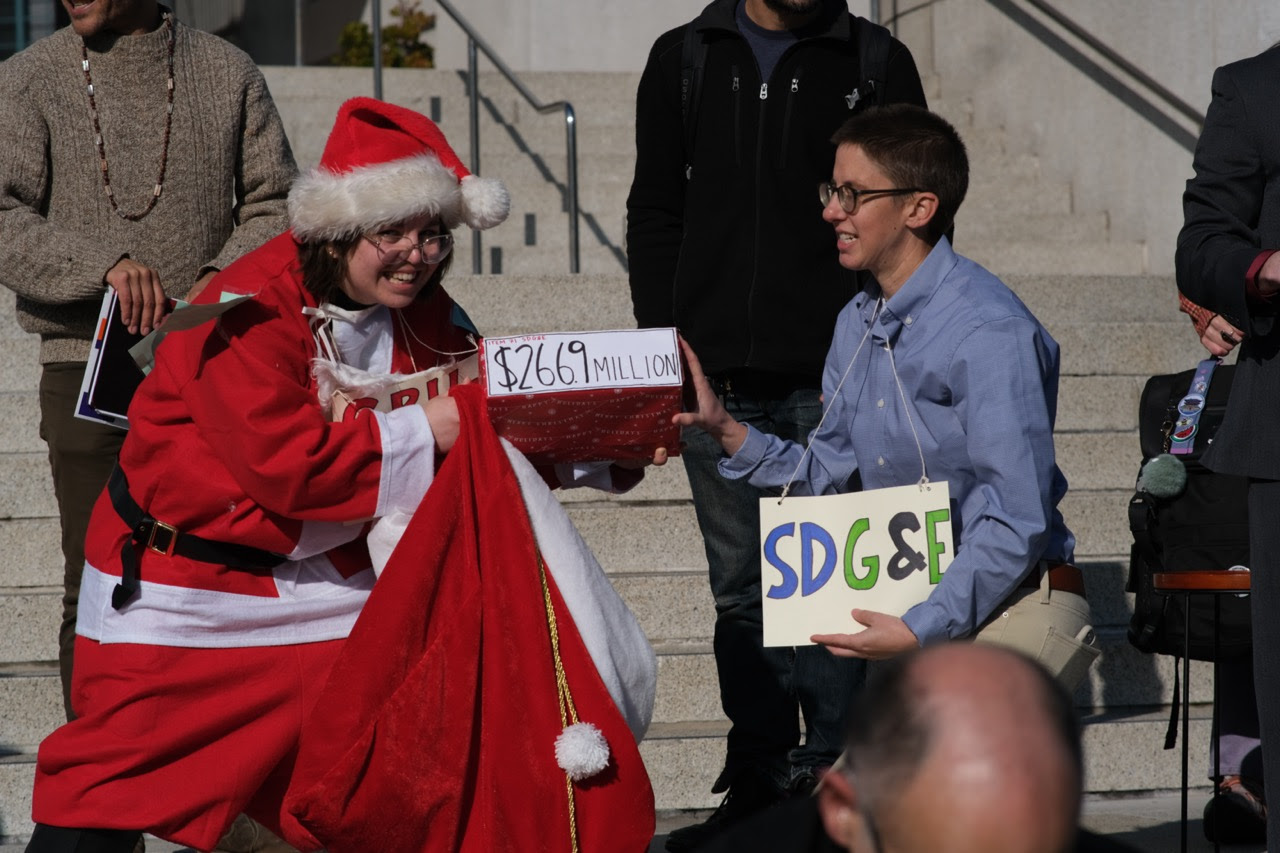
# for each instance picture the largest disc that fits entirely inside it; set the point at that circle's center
(823, 556)
(581, 361)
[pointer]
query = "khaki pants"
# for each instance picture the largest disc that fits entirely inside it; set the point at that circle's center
(1050, 626)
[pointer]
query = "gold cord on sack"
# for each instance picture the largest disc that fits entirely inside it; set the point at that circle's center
(568, 713)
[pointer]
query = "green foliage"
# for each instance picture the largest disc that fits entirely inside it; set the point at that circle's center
(402, 45)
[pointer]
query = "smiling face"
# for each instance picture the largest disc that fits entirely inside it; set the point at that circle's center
(121, 17)
(877, 236)
(379, 277)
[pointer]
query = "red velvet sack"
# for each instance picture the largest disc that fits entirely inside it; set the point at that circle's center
(436, 731)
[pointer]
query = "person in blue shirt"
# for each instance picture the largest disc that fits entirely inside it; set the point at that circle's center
(938, 371)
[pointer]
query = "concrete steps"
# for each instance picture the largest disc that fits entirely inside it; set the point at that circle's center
(1010, 205)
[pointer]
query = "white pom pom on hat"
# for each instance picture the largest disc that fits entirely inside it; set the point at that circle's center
(383, 164)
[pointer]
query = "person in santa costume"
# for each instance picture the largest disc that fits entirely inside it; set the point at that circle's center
(234, 653)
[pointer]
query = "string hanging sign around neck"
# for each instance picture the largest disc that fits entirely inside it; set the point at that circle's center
(347, 392)
(879, 549)
(826, 410)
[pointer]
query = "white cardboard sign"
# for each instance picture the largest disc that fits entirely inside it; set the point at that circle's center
(581, 361)
(820, 557)
(348, 404)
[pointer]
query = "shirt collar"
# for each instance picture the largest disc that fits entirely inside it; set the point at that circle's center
(904, 307)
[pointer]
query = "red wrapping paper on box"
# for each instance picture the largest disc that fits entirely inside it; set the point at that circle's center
(585, 396)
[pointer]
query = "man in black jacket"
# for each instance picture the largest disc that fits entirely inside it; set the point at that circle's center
(726, 241)
(1228, 261)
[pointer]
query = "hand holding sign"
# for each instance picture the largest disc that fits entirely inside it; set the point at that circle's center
(875, 552)
(884, 636)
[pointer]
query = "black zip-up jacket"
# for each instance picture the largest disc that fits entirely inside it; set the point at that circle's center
(737, 255)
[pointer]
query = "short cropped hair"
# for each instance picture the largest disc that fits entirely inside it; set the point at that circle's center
(891, 727)
(914, 148)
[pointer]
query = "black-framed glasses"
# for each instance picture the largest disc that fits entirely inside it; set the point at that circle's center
(851, 199)
(394, 246)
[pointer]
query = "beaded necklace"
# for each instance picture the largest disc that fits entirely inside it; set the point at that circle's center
(97, 130)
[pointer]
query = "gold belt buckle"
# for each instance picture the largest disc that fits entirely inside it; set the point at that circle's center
(173, 538)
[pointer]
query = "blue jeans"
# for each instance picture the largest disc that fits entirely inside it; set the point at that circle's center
(763, 690)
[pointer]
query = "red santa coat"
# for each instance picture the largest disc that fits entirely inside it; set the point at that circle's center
(229, 441)
(190, 711)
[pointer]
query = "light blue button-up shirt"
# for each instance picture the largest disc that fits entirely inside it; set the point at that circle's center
(980, 377)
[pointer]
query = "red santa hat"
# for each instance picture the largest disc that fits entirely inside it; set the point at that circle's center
(384, 164)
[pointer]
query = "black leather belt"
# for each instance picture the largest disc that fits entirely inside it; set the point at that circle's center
(167, 540)
(761, 385)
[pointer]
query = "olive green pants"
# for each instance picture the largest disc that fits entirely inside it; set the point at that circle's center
(81, 456)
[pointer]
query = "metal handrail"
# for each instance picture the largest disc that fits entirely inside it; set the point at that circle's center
(475, 44)
(19, 20)
(1119, 61)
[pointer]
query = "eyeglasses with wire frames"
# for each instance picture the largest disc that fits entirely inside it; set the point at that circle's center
(395, 246)
(851, 199)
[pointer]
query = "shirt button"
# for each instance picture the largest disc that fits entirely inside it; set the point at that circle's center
(908, 320)
(879, 404)
(880, 461)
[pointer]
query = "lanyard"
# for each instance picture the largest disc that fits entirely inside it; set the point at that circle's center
(1182, 438)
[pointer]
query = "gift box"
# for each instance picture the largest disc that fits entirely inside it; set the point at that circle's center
(585, 396)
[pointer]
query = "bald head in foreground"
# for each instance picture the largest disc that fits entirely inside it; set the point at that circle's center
(959, 747)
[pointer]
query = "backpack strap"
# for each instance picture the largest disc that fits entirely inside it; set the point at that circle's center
(693, 57)
(1171, 733)
(1182, 439)
(1142, 509)
(1148, 609)
(874, 42)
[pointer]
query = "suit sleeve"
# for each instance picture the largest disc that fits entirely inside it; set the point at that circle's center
(1221, 208)
(655, 205)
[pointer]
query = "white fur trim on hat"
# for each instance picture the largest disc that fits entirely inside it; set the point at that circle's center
(325, 205)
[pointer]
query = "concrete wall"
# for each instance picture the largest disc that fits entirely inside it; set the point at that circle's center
(565, 35)
(1054, 102)
(1087, 122)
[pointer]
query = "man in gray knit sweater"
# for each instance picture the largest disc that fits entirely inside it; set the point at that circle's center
(135, 154)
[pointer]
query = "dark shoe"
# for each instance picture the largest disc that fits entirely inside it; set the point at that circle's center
(246, 835)
(1236, 816)
(47, 839)
(750, 792)
(804, 782)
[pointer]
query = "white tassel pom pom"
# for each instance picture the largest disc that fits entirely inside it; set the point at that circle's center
(485, 202)
(582, 751)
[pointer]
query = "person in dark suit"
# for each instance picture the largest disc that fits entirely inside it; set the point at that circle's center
(1227, 261)
(961, 747)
